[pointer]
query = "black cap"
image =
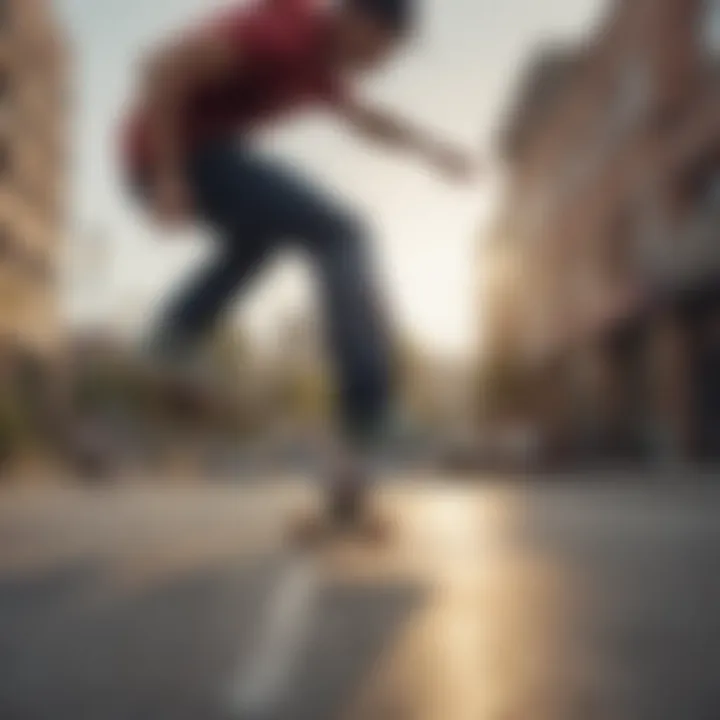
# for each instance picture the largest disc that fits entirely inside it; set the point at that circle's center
(397, 15)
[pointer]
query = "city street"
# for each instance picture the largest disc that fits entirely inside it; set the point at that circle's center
(493, 600)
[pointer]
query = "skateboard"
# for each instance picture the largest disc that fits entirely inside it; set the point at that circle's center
(341, 518)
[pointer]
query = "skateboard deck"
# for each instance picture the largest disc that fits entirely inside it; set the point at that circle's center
(319, 527)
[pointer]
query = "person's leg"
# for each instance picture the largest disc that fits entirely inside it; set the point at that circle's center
(195, 309)
(257, 203)
(358, 338)
(339, 248)
(356, 327)
(230, 202)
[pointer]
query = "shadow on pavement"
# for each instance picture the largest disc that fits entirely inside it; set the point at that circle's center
(68, 653)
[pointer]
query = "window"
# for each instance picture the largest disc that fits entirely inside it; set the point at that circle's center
(655, 247)
(618, 251)
(710, 29)
(632, 98)
(39, 268)
(6, 247)
(579, 170)
(5, 159)
(699, 251)
(4, 86)
(536, 215)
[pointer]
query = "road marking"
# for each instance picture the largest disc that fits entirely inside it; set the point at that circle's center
(265, 675)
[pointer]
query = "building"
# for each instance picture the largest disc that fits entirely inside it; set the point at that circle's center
(33, 169)
(609, 216)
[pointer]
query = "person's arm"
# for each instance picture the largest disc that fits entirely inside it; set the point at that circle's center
(382, 127)
(171, 76)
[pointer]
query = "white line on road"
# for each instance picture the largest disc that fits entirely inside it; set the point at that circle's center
(264, 678)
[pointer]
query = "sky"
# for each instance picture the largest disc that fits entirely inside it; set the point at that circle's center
(456, 79)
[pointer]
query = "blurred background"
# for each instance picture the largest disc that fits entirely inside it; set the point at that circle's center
(550, 483)
(563, 312)
(599, 290)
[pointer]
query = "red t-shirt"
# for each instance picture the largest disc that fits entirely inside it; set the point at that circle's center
(283, 65)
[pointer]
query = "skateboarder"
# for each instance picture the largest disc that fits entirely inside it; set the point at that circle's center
(188, 154)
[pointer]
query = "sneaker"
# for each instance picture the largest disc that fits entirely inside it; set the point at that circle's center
(348, 493)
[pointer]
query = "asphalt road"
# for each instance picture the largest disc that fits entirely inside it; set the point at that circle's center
(589, 600)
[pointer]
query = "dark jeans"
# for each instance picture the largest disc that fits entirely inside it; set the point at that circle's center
(255, 207)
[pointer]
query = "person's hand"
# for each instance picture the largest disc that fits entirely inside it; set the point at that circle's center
(171, 201)
(454, 165)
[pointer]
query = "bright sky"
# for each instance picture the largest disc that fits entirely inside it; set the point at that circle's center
(455, 80)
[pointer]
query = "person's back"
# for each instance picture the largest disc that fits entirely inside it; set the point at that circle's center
(283, 65)
(189, 154)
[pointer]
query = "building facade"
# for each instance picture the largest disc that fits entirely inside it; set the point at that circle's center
(612, 150)
(34, 100)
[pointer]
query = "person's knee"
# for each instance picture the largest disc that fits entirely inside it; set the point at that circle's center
(342, 230)
(351, 226)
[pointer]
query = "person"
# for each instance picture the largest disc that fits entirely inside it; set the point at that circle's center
(189, 155)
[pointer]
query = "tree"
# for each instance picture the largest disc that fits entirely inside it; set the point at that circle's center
(229, 351)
